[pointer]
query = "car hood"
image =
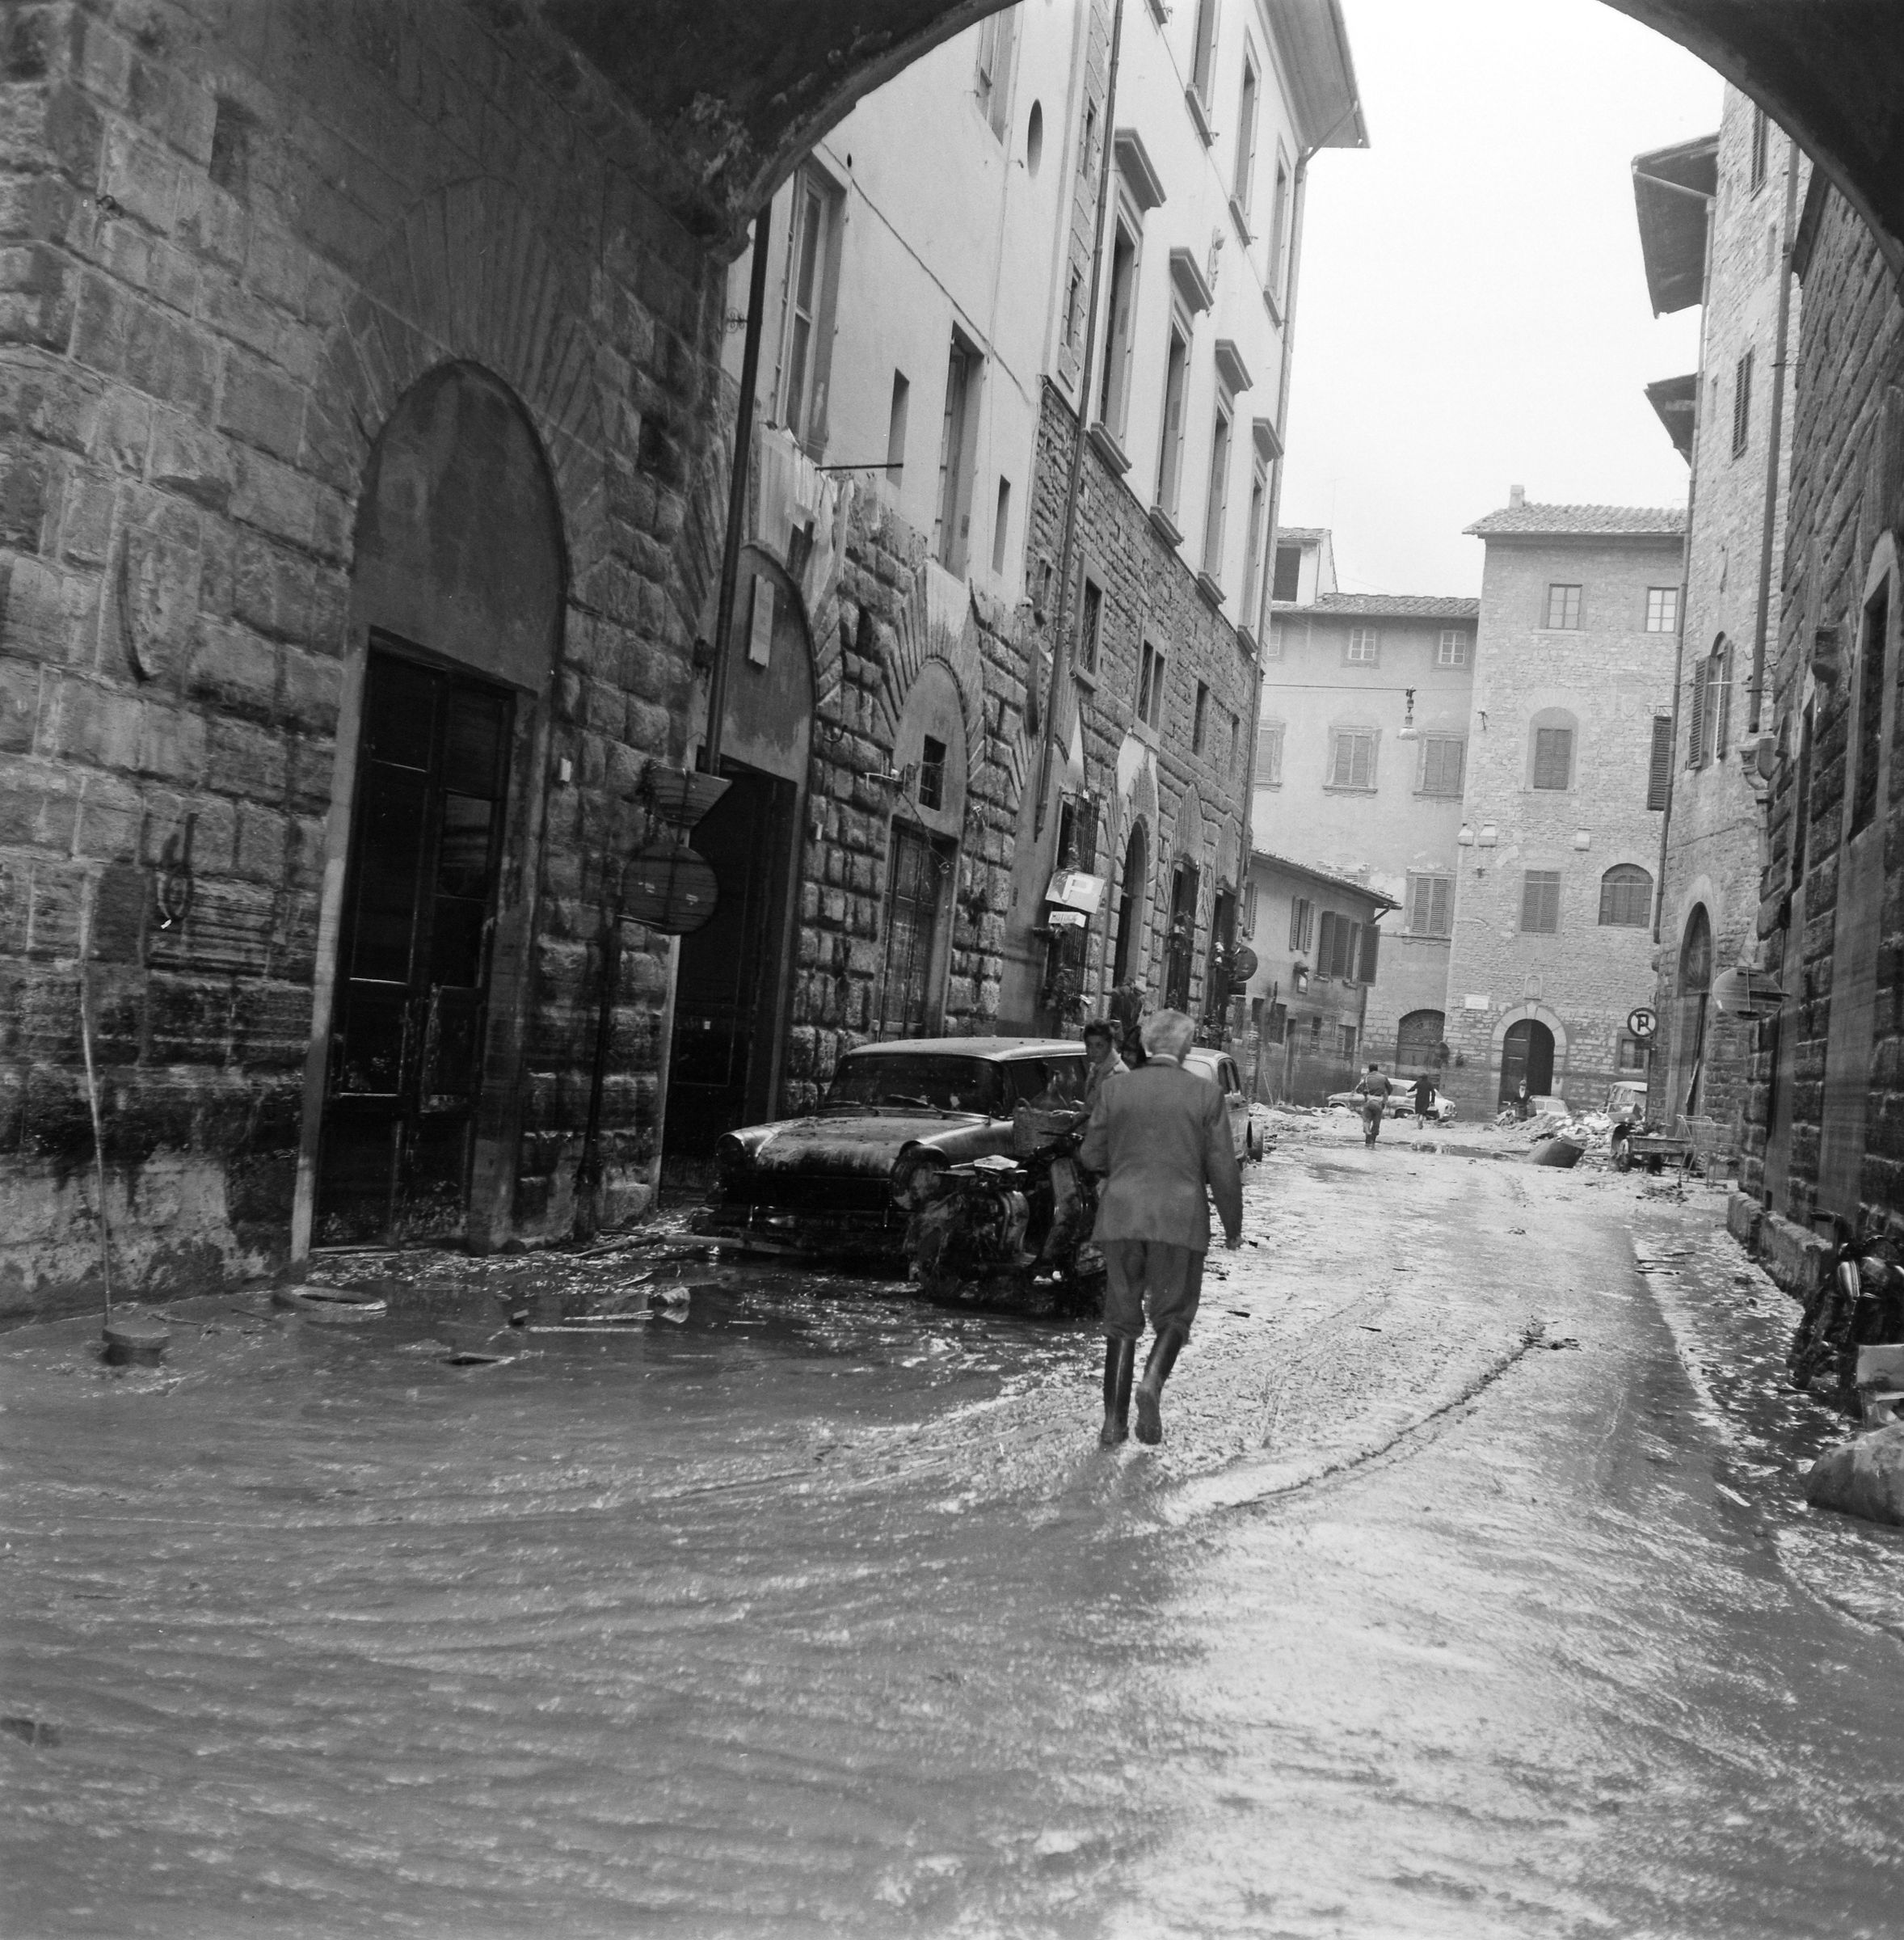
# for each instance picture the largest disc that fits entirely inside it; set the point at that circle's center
(852, 1141)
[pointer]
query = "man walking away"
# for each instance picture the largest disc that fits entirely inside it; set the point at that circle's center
(1423, 1099)
(1161, 1136)
(1375, 1089)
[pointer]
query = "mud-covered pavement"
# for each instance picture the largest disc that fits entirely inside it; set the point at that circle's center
(1471, 1594)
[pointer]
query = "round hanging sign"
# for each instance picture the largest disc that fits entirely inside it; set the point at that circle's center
(1243, 963)
(1641, 1022)
(670, 888)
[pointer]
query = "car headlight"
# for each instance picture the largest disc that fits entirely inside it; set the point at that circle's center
(915, 1177)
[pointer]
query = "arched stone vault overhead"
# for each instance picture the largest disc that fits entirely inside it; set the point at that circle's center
(735, 91)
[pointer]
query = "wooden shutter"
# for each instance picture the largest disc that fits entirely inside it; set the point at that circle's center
(1323, 949)
(1362, 765)
(1540, 902)
(1695, 733)
(1420, 900)
(1722, 708)
(1441, 907)
(1659, 775)
(1371, 940)
(1295, 922)
(1553, 756)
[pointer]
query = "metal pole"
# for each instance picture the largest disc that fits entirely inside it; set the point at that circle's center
(1060, 649)
(1774, 434)
(737, 481)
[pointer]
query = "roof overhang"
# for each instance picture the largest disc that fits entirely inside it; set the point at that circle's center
(1676, 402)
(1673, 189)
(1319, 72)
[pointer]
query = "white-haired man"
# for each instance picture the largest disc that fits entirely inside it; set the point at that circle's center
(1160, 1135)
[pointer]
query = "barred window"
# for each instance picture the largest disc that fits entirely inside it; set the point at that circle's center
(1444, 757)
(1540, 902)
(1626, 896)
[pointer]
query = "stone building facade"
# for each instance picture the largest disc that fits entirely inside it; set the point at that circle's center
(1825, 1129)
(1731, 254)
(1321, 959)
(1361, 762)
(1559, 850)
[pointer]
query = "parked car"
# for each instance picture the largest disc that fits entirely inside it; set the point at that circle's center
(845, 1179)
(1220, 1069)
(1401, 1103)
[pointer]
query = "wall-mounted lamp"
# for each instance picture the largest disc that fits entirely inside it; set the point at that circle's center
(1483, 712)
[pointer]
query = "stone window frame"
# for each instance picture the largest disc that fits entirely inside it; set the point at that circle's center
(1147, 699)
(1617, 882)
(1092, 578)
(1572, 612)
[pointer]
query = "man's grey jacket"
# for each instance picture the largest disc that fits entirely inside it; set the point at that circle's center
(1162, 1135)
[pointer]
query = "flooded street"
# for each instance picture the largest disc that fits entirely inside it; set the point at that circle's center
(1469, 1595)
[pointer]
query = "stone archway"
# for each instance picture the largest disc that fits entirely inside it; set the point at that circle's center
(457, 593)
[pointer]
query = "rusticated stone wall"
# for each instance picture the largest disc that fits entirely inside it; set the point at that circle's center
(231, 238)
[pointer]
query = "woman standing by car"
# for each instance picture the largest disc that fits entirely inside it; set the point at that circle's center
(1424, 1100)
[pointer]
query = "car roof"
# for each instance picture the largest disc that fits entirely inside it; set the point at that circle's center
(999, 1048)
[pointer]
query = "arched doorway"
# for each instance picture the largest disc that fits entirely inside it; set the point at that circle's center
(1133, 887)
(1526, 1053)
(1696, 984)
(733, 977)
(1418, 1040)
(456, 601)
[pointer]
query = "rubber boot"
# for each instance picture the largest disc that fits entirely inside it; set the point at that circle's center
(1120, 1363)
(1150, 1390)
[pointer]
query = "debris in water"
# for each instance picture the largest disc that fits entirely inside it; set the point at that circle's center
(328, 1305)
(31, 1731)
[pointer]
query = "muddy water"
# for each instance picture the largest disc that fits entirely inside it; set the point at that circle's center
(814, 1611)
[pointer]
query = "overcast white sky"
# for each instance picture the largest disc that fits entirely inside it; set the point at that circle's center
(1472, 312)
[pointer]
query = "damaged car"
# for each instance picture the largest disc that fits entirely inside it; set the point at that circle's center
(846, 1180)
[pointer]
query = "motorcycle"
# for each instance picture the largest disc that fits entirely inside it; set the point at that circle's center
(1014, 1227)
(1861, 1305)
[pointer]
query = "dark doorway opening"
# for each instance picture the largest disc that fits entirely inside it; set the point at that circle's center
(727, 989)
(406, 1043)
(1123, 963)
(916, 895)
(1180, 951)
(1417, 1041)
(1526, 1053)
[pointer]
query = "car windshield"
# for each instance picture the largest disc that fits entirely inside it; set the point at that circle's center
(938, 1080)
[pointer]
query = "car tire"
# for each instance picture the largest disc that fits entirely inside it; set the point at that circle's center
(1252, 1145)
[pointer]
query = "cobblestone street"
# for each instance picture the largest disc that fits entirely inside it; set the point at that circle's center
(1469, 1594)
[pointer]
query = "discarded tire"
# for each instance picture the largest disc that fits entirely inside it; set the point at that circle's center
(1864, 1477)
(331, 1306)
(1556, 1151)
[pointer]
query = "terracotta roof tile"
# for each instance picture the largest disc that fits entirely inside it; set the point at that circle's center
(1582, 521)
(1398, 605)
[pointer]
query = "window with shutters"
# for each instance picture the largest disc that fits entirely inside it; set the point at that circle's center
(1243, 182)
(1246, 922)
(1216, 492)
(1120, 309)
(1662, 609)
(1203, 50)
(807, 308)
(1452, 652)
(1352, 758)
(1626, 897)
(1563, 605)
(1553, 757)
(1090, 626)
(1430, 905)
(1170, 438)
(1302, 921)
(1718, 700)
(1761, 142)
(1372, 951)
(1269, 755)
(1741, 403)
(1325, 943)
(1540, 902)
(1659, 774)
(1365, 647)
(992, 70)
(1443, 758)
(1339, 948)
(1696, 716)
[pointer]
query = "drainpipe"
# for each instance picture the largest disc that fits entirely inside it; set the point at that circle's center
(1061, 647)
(737, 483)
(1775, 436)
